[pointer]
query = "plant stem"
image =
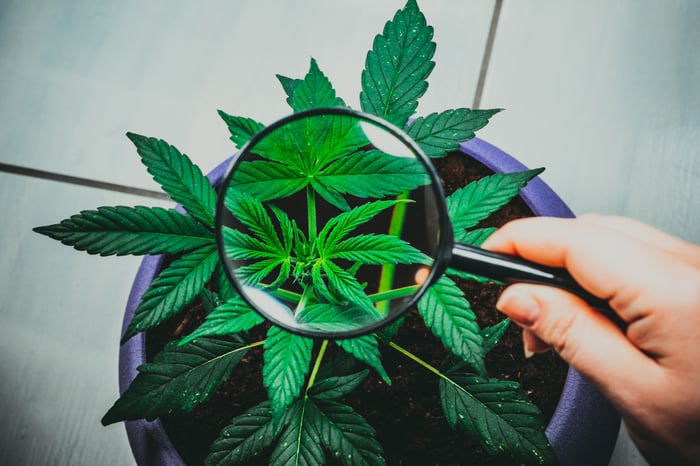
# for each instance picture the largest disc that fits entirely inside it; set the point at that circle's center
(317, 365)
(311, 206)
(395, 293)
(386, 278)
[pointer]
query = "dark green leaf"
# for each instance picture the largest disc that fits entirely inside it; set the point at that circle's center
(346, 435)
(300, 443)
(178, 176)
(229, 318)
(241, 128)
(266, 180)
(289, 85)
(130, 230)
(179, 378)
(175, 287)
(373, 174)
(398, 65)
(337, 387)
(337, 317)
(245, 440)
(314, 91)
(346, 285)
(440, 133)
(493, 334)
(286, 362)
(375, 249)
(479, 199)
(448, 314)
(366, 349)
(498, 414)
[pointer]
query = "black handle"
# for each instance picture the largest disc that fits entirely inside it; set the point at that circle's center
(513, 269)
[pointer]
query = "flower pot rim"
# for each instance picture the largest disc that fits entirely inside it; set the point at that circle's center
(583, 429)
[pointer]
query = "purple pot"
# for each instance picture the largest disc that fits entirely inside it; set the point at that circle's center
(583, 429)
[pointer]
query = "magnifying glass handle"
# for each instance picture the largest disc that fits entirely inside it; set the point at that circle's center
(513, 269)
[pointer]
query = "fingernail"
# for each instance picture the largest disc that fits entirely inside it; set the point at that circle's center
(519, 306)
(526, 351)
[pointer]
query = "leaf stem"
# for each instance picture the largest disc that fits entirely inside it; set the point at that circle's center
(386, 278)
(395, 293)
(317, 365)
(311, 206)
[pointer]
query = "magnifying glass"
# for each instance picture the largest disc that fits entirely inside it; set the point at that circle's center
(332, 223)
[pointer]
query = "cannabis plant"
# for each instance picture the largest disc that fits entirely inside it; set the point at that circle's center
(305, 420)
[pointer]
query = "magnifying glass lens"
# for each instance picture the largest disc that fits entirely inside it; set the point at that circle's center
(328, 223)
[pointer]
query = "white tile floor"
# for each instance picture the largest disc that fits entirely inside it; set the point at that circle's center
(605, 95)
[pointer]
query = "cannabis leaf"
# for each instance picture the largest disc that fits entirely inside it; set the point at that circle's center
(245, 439)
(337, 386)
(130, 230)
(493, 334)
(398, 65)
(448, 314)
(178, 176)
(314, 91)
(298, 444)
(286, 362)
(241, 128)
(498, 414)
(479, 199)
(178, 379)
(289, 85)
(441, 133)
(229, 318)
(366, 349)
(175, 287)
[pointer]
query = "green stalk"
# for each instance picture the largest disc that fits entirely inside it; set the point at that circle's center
(311, 206)
(317, 365)
(427, 366)
(395, 293)
(386, 278)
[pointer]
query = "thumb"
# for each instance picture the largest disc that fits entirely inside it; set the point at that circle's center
(584, 338)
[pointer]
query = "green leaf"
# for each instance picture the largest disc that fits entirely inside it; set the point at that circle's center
(229, 318)
(266, 180)
(178, 379)
(178, 176)
(373, 174)
(289, 85)
(440, 133)
(130, 230)
(346, 435)
(175, 287)
(241, 128)
(337, 317)
(498, 414)
(366, 349)
(375, 249)
(338, 386)
(345, 284)
(245, 440)
(286, 362)
(314, 91)
(479, 199)
(299, 443)
(448, 314)
(493, 334)
(397, 67)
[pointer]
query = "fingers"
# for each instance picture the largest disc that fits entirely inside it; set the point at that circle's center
(582, 337)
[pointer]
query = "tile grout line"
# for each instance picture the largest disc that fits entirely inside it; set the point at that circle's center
(487, 54)
(46, 175)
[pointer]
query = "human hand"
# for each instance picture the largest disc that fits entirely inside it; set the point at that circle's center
(651, 373)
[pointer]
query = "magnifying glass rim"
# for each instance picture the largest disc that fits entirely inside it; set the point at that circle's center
(445, 240)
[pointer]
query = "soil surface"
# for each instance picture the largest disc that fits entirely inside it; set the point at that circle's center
(407, 415)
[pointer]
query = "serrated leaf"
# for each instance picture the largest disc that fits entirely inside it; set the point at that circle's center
(327, 317)
(244, 440)
(345, 284)
(266, 180)
(176, 286)
(286, 362)
(498, 414)
(346, 435)
(397, 67)
(229, 318)
(242, 129)
(479, 199)
(493, 334)
(178, 379)
(300, 443)
(130, 230)
(314, 91)
(336, 387)
(448, 314)
(375, 249)
(366, 349)
(289, 85)
(441, 133)
(373, 174)
(226, 290)
(178, 176)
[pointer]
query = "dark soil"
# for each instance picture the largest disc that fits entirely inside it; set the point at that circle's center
(407, 415)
